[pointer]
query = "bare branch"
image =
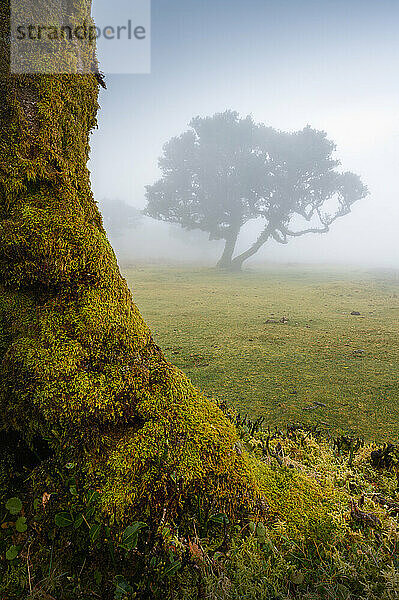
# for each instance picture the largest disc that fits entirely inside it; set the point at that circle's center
(324, 229)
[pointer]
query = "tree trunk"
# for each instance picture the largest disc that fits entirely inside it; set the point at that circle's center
(79, 367)
(237, 262)
(225, 260)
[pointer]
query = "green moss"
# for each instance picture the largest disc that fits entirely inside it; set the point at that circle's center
(78, 364)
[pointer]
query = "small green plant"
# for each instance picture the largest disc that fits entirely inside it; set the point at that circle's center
(14, 506)
(131, 535)
(12, 527)
(122, 588)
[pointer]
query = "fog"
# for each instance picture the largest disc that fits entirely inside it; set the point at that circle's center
(331, 64)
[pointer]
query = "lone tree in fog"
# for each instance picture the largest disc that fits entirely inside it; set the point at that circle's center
(227, 170)
(213, 179)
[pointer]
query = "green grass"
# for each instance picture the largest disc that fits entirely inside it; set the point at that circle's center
(213, 326)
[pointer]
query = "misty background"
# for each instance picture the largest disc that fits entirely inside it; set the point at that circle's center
(331, 64)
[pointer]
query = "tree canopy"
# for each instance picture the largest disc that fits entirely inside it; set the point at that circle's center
(226, 171)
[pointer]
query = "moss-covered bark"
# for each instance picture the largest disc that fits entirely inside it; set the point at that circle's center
(78, 364)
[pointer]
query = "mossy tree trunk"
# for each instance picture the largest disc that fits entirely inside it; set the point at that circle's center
(79, 367)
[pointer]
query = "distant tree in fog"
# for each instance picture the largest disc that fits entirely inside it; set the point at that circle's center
(118, 216)
(227, 170)
(213, 179)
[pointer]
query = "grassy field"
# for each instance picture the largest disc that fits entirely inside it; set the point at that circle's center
(225, 332)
